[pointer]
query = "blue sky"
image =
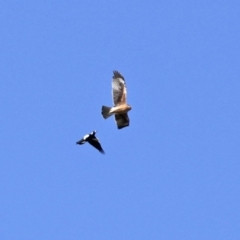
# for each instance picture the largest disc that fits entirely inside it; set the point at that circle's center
(173, 173)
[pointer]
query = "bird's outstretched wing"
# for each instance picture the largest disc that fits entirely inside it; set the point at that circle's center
(95, 143)
(122, 120)
(119, 90)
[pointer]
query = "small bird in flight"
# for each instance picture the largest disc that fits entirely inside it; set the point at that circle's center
(91, 138)
(120, 109)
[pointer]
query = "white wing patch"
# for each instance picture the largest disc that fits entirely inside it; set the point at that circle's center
(85, 137)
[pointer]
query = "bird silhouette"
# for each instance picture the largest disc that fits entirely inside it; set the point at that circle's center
(91, 138)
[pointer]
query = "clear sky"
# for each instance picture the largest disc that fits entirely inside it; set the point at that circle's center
(173, 174)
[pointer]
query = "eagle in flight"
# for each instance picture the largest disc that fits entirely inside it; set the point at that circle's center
(121, 108)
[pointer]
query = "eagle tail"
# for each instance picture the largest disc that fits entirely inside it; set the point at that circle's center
(106, 112)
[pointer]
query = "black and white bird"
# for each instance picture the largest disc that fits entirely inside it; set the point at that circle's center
(91, 138)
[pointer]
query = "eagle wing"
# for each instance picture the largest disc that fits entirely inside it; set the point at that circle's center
(119, 90)
(122, 120)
